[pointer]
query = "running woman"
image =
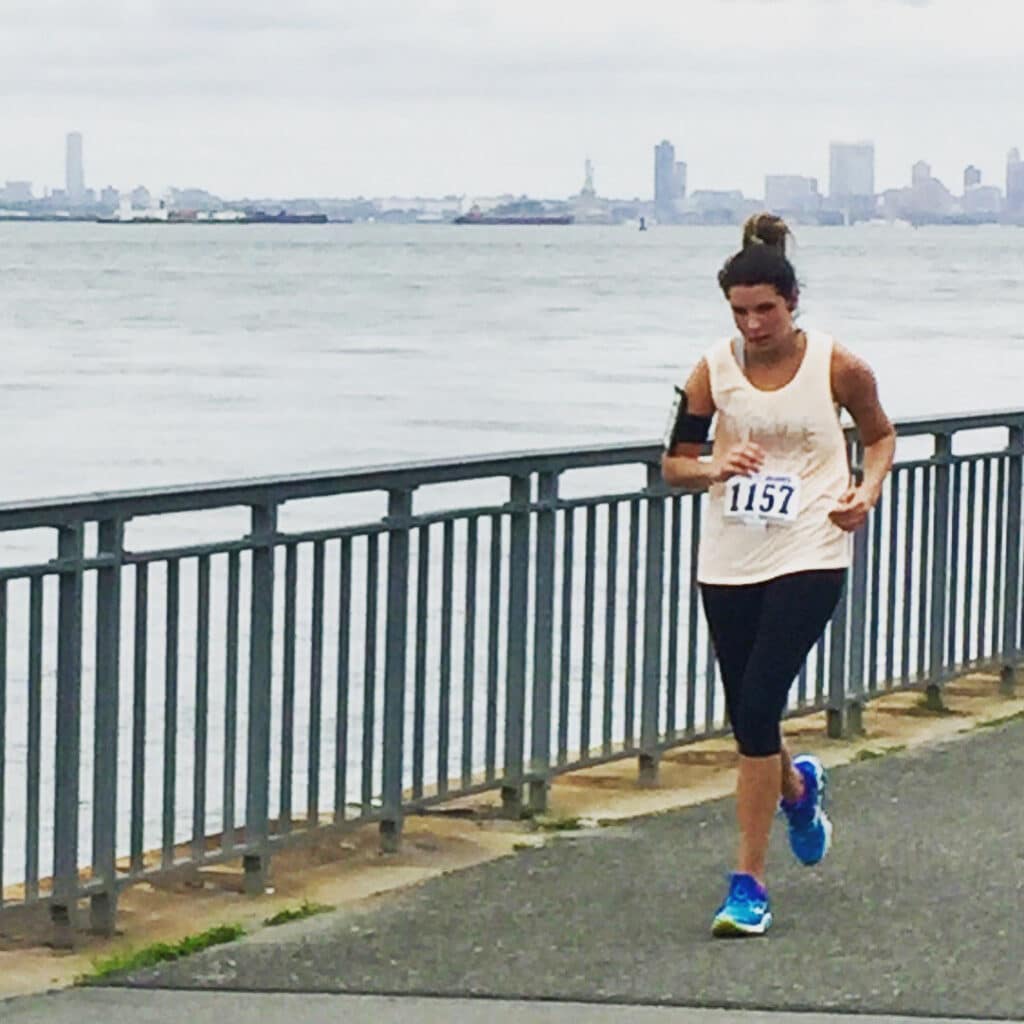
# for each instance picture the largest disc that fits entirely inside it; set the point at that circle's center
(776, 541)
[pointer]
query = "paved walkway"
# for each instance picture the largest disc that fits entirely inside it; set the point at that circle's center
(104, 1007)
(914, 914)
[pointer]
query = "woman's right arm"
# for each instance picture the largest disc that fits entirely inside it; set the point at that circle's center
(682, 465)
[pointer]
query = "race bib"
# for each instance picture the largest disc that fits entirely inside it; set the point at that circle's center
(763, 498)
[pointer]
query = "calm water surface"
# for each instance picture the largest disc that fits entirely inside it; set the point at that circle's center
(156, 355)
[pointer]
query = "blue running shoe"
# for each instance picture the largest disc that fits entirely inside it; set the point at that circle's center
(810, 831)
(745, 910)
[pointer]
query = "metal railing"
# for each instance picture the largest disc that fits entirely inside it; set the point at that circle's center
(166, 706)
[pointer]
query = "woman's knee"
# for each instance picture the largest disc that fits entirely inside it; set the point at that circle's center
(757, 734)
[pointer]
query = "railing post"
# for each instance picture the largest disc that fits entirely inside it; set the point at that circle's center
(256, 860)
(1011, 602)
(515, 672)
(940, 571)
(836, 714)
(853, 706)
(654, 574)
(543, 641)
(70, 549)
(103, 906)
(396, 627)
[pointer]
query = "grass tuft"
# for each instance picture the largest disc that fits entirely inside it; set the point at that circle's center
(303, 910)
(545, 824)
(869, 754)
(162, 952)
(992, 723)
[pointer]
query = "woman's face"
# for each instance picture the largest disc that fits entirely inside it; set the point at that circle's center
(763, 316)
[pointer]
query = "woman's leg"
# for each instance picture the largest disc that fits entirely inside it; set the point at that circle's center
(794, 613)
(732, 613)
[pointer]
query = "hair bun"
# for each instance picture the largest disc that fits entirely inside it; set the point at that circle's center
(765, 229)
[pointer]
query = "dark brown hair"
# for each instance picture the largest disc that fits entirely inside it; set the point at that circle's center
(762, 260)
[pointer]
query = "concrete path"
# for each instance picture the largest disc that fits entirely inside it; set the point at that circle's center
(916, 912)
(105, 1007)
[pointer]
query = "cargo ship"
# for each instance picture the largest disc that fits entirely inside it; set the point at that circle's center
(161, 215)
(476, 216)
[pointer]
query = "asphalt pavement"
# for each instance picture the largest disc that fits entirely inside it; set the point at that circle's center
(914, 914)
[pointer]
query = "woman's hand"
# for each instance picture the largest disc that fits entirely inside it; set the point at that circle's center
(851, 511)
(740, 460)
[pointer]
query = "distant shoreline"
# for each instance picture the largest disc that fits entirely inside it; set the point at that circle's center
(244, 221)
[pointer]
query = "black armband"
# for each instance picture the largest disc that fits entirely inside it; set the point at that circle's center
(684, 427)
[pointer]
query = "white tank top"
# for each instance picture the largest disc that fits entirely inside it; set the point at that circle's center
(777, 522)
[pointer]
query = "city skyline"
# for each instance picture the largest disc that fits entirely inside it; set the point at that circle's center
(851, 173)
(444, 95)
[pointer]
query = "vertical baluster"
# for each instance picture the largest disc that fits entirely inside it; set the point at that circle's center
(565, 655)
(1011, 603)
(673, 624)
(231, 695)
(654, 582)
(256, 861)
(469, 651)
(420, 684)
(953, 616)
(316, 675)
(139, 705)
(171, 631)
(610, 607)
(370, 672)
(632, 617)
(937, 671)
(202, 709)
(395, 658)
(970, 547)
(35, 716)
(343, 680)
(908, 572)
(515, 668)
(493, 644)
(983, 574)
(924, 595)
(103, 906)
(877, 521)
(999, 564)
(70, 551)
(444, 683)
(291, 576)
(693, 623)
(543, 643)
(838, 681)
(587, 668)
(895, 547)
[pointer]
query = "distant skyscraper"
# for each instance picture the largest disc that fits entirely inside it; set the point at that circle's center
(680, 179)
(1014, 182)
(74, 168)
(851, 170)
(920, 173)
(791, 193)
(972, 177)
(667, 185)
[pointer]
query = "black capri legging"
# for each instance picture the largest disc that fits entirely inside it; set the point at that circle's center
(762, 632)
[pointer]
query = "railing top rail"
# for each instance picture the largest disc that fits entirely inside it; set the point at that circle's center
(48, 512)
(293, 487)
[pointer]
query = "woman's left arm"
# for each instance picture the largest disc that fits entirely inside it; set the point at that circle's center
(855, 389)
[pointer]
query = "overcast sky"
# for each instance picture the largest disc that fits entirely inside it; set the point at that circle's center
(378, 97)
